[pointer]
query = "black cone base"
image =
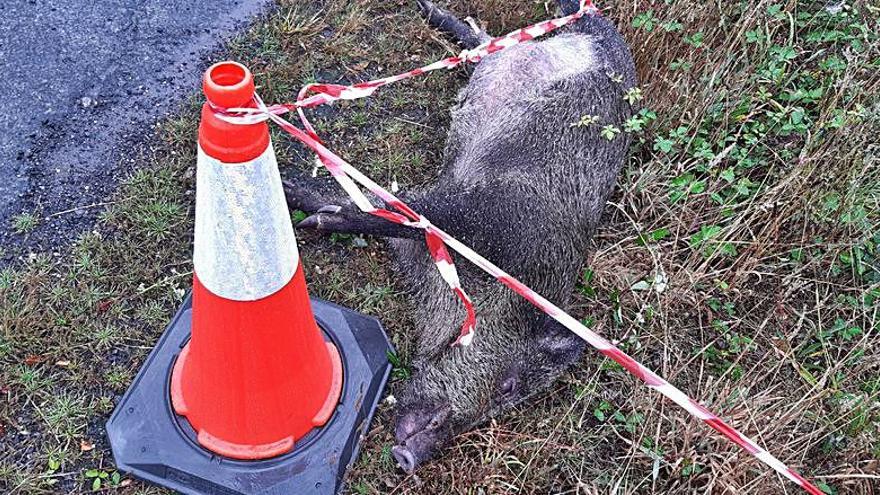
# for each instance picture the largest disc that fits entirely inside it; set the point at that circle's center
(152, 443)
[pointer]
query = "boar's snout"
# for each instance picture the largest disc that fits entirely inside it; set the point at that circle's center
(421, 429)
(405, 458)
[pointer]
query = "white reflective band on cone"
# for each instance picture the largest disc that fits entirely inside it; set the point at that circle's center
(244, 244)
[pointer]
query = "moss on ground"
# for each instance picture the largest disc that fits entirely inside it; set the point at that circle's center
(739, 258)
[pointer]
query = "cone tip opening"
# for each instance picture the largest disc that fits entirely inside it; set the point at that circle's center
(228, 84)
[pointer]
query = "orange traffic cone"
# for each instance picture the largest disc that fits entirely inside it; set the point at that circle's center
(257, 374)
(250, 368)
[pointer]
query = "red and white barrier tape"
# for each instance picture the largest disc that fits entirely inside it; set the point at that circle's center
(438, 240)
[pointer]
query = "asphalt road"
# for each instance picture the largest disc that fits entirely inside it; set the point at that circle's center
(81, 81)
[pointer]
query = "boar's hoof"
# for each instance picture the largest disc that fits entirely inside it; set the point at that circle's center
(321, 221)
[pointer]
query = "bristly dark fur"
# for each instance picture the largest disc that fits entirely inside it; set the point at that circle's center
(525, 188)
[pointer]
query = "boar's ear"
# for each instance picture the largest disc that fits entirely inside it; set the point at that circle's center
(558, 343)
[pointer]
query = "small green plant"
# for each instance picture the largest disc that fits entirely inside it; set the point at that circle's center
(724, 354)
(52, 466)
(118, 378)
(690, 468)
(101, 478)
(586, 286)
(298, 216)
(587, 120)
(609, 132)
(825, 487)
(695, 40)
(652, 237)
(372, 297)
(30, 378)
(601, 410)
(386, 458)
(615, 77)
(65, 414)
(685, 185)
(663, 144)
(672, 26)
(360, 488)
(25, 222)
(633, 124)
(631, 422)
(645, 20)
(399, 369)
(104, 336)
(706, 241)
(633, 95)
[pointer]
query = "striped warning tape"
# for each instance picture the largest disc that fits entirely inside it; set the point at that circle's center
(349, 178)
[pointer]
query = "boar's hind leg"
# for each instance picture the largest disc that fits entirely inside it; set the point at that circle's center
(469, 36)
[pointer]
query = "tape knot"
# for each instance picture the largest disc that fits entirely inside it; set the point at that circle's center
(423, 223)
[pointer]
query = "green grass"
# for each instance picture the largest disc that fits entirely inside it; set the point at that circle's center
(739, 259)
(24, 222)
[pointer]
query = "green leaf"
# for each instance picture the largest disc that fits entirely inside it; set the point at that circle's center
(697, 186)
(609, 132)
(644, 20)
(634, 124)
(775, 11)
(706, 232)
(695, 40)
(831, 202)
(298, 216)
(633, 95)
(393, 358)
(96, 484)
(682, 180)
(659, 234)
(648, 114)
(753, 36)
(728, 175)
(825, 487)
(673, 26)
(587, 120)
(680, 64)
(92, 473)
(663, 144)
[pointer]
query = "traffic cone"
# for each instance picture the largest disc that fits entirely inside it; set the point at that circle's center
(250, 368)
(257, 374)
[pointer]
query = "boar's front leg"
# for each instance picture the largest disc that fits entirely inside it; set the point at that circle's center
(340, 215)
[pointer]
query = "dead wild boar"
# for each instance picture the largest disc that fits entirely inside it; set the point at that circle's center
(525, 188)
